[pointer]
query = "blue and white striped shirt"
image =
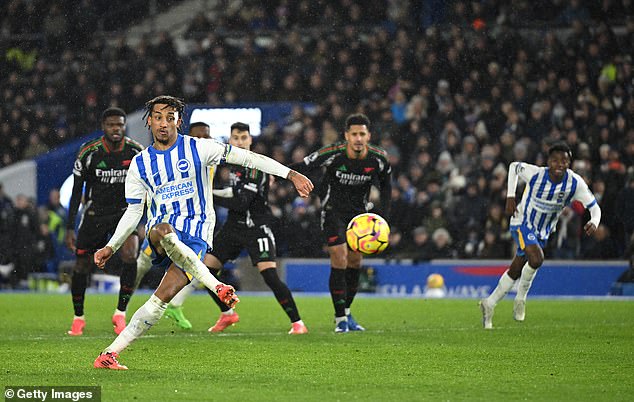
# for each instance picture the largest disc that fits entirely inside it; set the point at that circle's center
(177, 183)
(543, 200)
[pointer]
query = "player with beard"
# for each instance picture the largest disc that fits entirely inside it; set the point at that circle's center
(172, 176)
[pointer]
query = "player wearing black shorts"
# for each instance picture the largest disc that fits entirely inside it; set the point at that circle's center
(248, 226)
(351, 168)
(101, 165)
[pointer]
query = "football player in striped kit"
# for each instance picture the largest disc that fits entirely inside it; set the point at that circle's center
(173, 176)
(548, 190)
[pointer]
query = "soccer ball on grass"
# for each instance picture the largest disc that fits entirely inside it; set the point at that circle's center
(368, 233)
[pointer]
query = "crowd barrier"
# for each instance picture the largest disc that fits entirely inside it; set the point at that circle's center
(463, 278)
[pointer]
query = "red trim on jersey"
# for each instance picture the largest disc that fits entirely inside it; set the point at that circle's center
(107, 148)
(91, 144)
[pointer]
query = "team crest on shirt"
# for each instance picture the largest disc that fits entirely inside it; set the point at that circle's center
(182, 165)
(531, 237)
(560, 197)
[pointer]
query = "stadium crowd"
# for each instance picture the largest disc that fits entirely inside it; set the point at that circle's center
(455, 91)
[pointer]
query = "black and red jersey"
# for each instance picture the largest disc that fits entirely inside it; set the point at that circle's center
(346, 182)
(249, 204)
(103, 171)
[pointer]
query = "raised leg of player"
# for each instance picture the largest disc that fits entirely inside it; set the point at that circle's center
(181, 296)
(143, 266)
(228, 316)
(185, 257)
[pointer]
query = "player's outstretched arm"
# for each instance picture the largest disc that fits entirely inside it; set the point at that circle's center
(243, 157)
(595, 218)
(127, 224)
(510, 207)
(589, 228)
(302, 184)
(102, 256)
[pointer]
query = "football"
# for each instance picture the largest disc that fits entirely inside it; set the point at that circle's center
(368, 233)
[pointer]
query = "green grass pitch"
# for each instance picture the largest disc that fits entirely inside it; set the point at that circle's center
(413, 349)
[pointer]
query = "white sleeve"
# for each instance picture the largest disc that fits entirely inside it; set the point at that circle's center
(585, 197)
(126, 225)
(213, 152)
(595, 214)
(135, 195)
(224, 193)
(135, 190)
(252, 160)
(519, 170)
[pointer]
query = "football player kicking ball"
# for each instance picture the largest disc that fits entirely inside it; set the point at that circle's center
(548, 190)
(351, 168)
(248, 226)
(174, 309)
(173, 176)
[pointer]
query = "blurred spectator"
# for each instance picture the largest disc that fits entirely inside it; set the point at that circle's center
(25, 234)
(441, 245)
(421, 246)
(303, 231)
(450, 102)
(436, 218)
(490, 247)
(7, 225)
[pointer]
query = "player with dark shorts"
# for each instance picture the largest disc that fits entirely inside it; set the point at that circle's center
(101, 165)
(248, 226)
(351, 168)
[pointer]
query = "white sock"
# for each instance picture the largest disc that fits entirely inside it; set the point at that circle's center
(526, 280)
(143, 265)
(347, 311)
(298, 321)
(228, 312)
(119, 312)
(180, 297)
(339, 319)
(142, 320)
(504, 285)
(185, 258)
(81, 317)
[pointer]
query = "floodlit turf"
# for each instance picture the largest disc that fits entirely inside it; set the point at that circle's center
(414, 349)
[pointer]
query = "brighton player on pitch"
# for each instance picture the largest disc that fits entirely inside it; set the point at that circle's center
(172, 177)
(548, 190)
